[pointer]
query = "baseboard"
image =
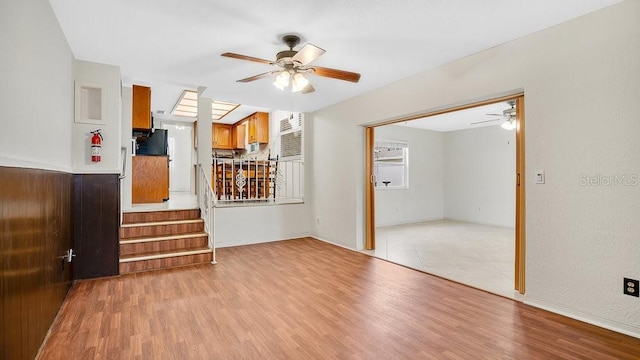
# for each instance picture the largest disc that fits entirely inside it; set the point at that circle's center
(417, 221)
(512, 226)
(408, 221)
(332, 243)
(251, 242)
(584, 317)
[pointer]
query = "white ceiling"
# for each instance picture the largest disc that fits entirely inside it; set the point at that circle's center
(462, 119)
(172, 45)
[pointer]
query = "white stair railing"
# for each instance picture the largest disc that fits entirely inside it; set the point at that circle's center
(242, 181)
(206, 202)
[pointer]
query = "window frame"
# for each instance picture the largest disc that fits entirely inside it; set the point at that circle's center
(404, 164)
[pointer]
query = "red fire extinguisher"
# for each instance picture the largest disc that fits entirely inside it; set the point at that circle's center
(96, 146)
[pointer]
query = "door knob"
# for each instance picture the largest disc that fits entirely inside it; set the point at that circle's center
(68, 256)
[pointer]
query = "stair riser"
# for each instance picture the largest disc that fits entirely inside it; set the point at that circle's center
(155, 264)
(140, 217)
(164, 245)
(160, 230)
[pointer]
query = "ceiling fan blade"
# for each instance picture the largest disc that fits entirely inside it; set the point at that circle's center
(494, 114)
(307, 54)
(336, 74)
(256, 77)
(308, 89)
(245, 57)
(485, 121)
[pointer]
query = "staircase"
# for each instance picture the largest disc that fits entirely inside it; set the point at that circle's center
(162, 239)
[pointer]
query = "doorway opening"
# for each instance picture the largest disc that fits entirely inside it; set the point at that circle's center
(460, 212)
(181, 156)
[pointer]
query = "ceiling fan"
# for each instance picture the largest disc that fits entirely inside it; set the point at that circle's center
(508, 116)
(292, 64)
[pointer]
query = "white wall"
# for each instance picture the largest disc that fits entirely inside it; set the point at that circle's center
(423, 200)
(109, 77)
(274, 130)
(240, 225)
(338, 155)
(581, 81)
(203, 135)
(479, 176)
(180, 144)
(126, 183)
(36, 88)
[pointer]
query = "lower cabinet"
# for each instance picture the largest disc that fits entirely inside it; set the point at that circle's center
(150, 179)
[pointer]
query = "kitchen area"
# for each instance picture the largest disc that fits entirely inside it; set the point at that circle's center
(245, 151)
(243, 168)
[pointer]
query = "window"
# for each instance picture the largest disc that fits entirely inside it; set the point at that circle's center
(391, 164)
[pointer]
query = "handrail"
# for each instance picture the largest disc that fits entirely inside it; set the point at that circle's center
(206, 201)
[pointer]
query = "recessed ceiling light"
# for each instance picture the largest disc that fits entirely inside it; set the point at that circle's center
(187, 106)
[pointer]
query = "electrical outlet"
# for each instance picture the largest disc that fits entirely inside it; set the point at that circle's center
(631, 287)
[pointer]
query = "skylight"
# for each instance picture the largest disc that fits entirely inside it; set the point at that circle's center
(187, 105)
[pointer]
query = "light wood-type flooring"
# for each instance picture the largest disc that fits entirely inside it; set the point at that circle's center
(305, 299)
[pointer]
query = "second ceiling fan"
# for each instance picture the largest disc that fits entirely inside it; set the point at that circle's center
(293, 64)
(508, 116)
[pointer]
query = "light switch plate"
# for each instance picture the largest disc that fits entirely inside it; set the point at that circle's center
(540, 177)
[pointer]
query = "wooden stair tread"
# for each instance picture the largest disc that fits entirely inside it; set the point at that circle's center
(162, 223)
(163, 254)
(143, 239)
(153, 240)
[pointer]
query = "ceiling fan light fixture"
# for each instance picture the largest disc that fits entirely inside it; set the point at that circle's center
(293, 64)
(298, 82)
(282, 81)
(509, 124)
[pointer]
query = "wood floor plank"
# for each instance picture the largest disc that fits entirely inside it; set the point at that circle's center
(305, 299)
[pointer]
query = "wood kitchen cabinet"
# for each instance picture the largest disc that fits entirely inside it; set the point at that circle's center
(239, 135)
(150, 179)
(141, 108)
(221, 136)
(259, 128)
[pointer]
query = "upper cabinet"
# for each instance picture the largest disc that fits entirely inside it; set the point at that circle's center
(259, 128)
(141, 114)
(254, 128)
(221, 136)
(239, 132)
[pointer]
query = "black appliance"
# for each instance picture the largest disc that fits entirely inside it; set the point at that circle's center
(154, 144)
